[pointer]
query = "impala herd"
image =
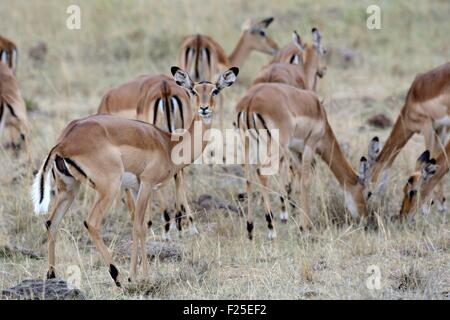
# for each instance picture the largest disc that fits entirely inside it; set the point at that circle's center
(127, 146)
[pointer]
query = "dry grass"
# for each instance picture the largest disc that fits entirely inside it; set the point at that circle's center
(121, 39)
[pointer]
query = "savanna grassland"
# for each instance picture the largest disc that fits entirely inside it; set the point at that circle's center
(368, 72)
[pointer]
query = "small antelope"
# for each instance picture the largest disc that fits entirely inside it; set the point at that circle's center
(204, 58)
(297, 64)
(426, 110)
(106, 151)
(8, 53)
(13, 113)
(429, 172)
(160, 101)
(303, 128)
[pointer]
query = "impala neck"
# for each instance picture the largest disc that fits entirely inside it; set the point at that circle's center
(398, 137)
(332, 154)
(311, 63)
(240, 52)
(194, 140)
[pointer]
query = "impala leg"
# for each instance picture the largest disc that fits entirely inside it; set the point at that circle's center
(61, 206)
(305, 172)
(269, 215)
(165, 214)
(140, 230)
(184, 207)
(286, 186)
(439, 145)
(93, 224)
(248, 185)
(130, 202)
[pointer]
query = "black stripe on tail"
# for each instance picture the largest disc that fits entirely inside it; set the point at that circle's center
(41, 182)
(264, 124)
(155, 111)
(1, 111)
(168, 111)
(180, 106)
(11, 110)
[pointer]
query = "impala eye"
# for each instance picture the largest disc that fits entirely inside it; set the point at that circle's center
(215, 92)
(194, 93)
(262, 33)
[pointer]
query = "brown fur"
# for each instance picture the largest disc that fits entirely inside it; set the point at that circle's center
(10, 97)
(427, 101)
(298, 115)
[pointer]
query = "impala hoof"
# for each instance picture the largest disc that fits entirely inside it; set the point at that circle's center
(166, 236)
(272, 235)
(284, 216)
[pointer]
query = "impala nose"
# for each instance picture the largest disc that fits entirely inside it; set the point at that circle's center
(204, 110)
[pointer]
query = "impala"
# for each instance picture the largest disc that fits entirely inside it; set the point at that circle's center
(100, 150)
(8, 53)
(13, 113)
(203, 57)
(160, 101)
(303, 128)
(297, 64)
(426, 110)
(429, 172)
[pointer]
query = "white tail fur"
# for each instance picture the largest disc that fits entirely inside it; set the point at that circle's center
(42, 187)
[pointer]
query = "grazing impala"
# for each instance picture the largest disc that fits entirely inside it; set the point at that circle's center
(429, 172)
(296, 64)
(106, 151)
(426, 110)
(13, 113)
(303, 128)
(203, 57)
(8, 53)
(158, 100)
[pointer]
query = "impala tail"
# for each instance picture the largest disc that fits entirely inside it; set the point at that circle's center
(40, 192)
(198, 59)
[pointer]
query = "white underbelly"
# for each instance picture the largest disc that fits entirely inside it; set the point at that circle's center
(442, 122)
(130, 181)
(297, 145)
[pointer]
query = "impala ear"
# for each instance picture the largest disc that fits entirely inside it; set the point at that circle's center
(297, 40)
(182, 78)
(429, 169)
(264, 24)
(363, 170)
(297, 58)
(227, 78)
(374, 149)
(422, 160)
(317, 39)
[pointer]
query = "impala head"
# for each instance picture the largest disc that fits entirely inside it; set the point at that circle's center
(425, 169)
(366, 166)
(205, 92)
(313, 52)
(255, 35)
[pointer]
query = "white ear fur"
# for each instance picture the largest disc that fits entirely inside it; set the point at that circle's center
(296, 39)
(227, 78)
(182, 78)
